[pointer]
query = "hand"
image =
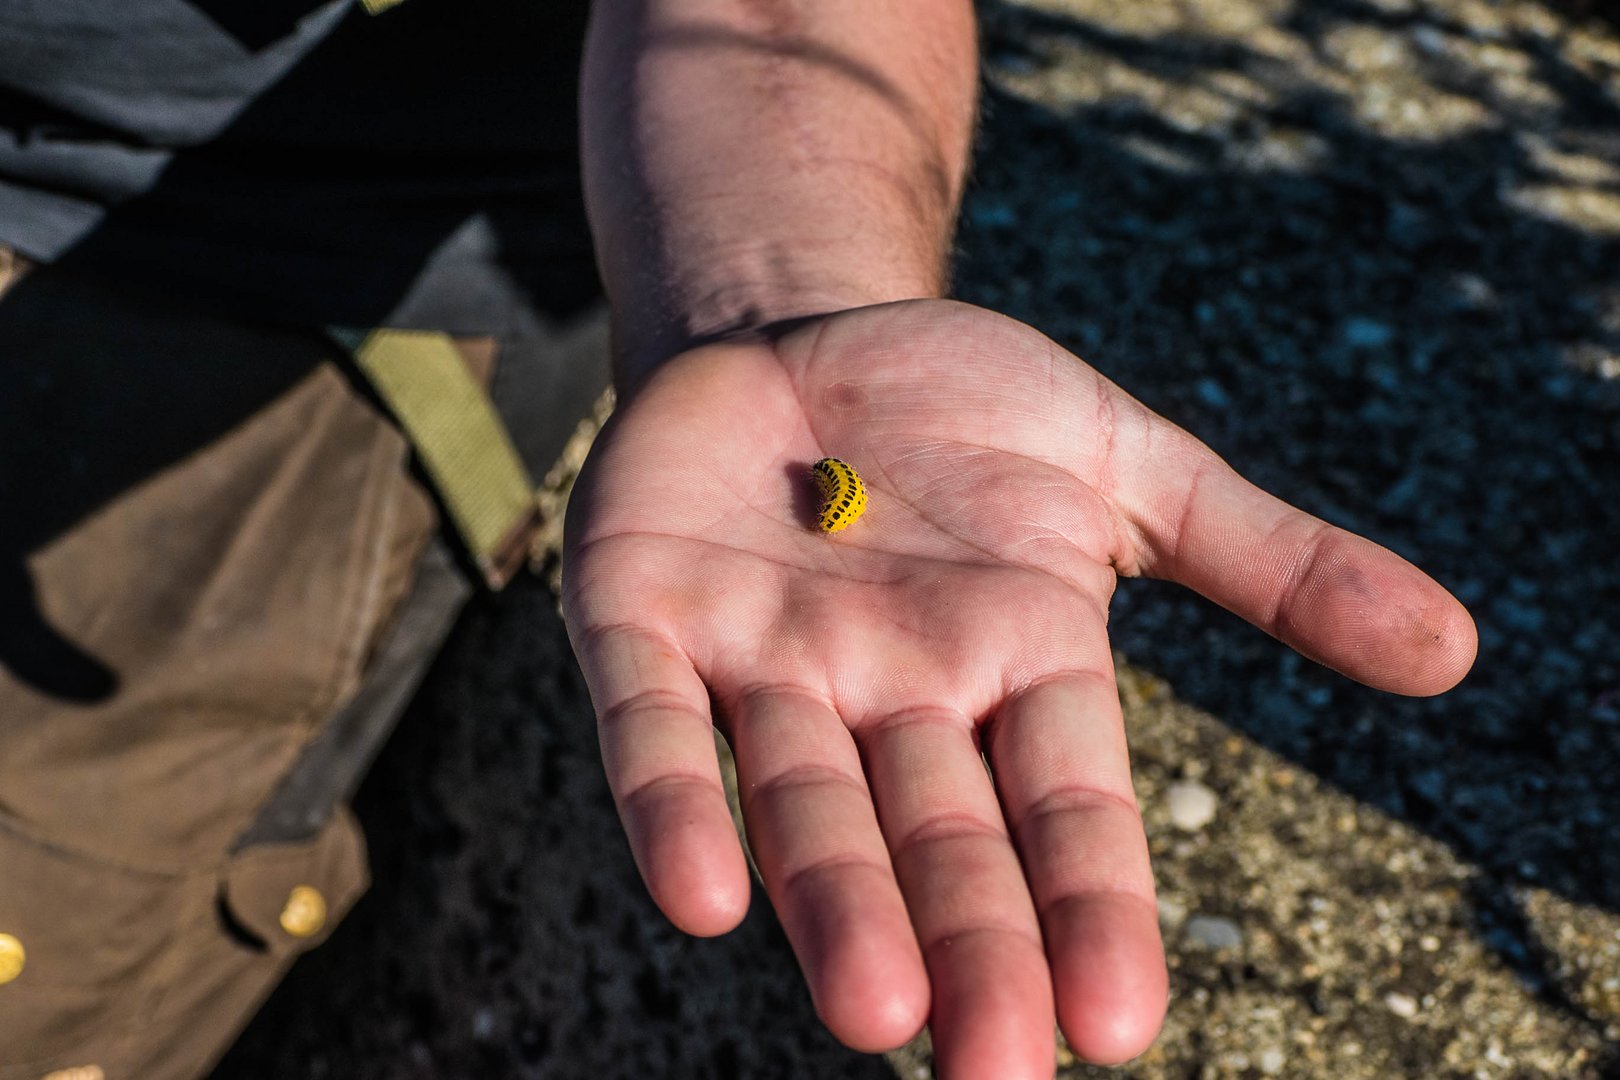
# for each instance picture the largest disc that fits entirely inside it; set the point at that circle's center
(865, 679)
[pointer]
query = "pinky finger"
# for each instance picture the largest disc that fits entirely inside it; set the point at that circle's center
(657, 743)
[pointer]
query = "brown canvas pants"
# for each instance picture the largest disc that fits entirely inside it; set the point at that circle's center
(208, 532)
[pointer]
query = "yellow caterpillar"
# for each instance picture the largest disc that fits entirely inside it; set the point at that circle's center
(843, 496)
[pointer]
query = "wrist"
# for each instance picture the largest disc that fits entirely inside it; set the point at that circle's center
(755, 291)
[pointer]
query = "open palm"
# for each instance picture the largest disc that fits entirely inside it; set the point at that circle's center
(866, 680)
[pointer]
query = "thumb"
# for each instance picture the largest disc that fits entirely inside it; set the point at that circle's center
(1335, 597)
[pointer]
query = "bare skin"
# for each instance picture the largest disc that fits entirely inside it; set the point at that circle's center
(860, 677)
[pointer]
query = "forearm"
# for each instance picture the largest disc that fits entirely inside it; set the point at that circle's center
(748, 161)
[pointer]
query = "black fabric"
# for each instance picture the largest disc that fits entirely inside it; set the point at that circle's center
(300, 160)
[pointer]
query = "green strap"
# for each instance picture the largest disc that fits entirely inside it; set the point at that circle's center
(461, 443)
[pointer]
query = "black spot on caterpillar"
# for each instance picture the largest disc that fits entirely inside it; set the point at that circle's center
(843, 496)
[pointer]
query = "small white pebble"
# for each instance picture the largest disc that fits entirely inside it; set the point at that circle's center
(1214, 932)
(1272, 1061)
(1192, 805)
(1401, 1004)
